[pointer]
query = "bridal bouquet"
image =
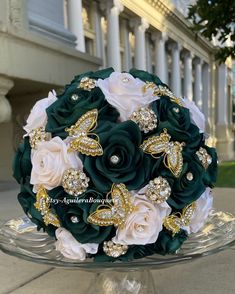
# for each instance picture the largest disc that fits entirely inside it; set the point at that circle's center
(116, 167)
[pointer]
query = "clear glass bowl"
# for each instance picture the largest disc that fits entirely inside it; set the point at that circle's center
(19, 237)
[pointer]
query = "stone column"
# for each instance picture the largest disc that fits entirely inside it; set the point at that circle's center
(161, 68)
(206, 93)
(188, 84)
(148, 53)
(5, 107)
(75, 23)
(198, 82)
(127, 47)
(140, 44)
(175, 69)
(113, 35)
(223, 133)
(98, 30)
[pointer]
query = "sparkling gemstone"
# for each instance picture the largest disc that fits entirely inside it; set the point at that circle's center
(125, 80)
(74, 97)
(189, 176)
(114, 159)
(74, 219)
(176, 109)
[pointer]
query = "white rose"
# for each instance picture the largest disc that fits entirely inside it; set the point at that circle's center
(144, 224)
(49, 162)
(38, 115)
(125, 93)
(204, 205)
(197, 117)
(70, 248)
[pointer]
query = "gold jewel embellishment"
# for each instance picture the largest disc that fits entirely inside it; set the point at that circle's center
(114, 250)
(158, 190)
(178, 220)
(172, 151)
(74, 182)
(38, 135)
(87, 84)
(204, 157)
(159, 90)
(116, 212)
(80, 132)
(145, 118)
(42, 204)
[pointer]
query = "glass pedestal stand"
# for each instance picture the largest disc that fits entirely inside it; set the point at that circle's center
(19, 237)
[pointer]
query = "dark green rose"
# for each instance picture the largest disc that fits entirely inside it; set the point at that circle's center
(211, 172)
(133, 167)
(168, 244)
(189, 186)
(176, 119)
(65, 111)
(22, 162)
(146, 77)
(27, 199)
(67, 208)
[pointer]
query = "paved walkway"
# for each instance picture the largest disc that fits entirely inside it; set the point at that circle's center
(214, 274)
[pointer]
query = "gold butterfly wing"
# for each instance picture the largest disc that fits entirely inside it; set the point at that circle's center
(174, 159)
(156, 145)
(86, 145)
(103, 216)
(86, 123)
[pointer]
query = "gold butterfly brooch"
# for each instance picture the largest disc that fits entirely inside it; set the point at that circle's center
(80, 133)
(42, 204)
(116, 211)
(172, 150)
(178, 220)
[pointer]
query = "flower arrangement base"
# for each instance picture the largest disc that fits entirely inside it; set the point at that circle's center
(127, 282)
(19, 237)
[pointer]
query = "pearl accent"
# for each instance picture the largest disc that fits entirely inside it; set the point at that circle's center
(74, 219)
(74, 97)
(176, 109)
(189, 176)
(114, 159)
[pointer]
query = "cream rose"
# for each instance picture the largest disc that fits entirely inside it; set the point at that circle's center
(49, 162)
(197, 117)
(144, 224)
(204, 205)
(70, 248)
(125, 93)
(38, 115)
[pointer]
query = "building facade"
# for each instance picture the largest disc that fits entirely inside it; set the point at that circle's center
(45, 43)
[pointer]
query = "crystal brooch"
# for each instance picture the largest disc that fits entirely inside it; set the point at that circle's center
(74, 182)
(114, 250)
(204, 157)
(87, 84)
(145, 118)
(158, 190)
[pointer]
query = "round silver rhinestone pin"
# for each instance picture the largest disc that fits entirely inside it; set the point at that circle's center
(176, 109)
(189, 176)
(74, 97)
(114, 159)
(74, 219)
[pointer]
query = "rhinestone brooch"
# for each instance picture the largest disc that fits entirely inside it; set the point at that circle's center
(172, 151)
(42, 204)
(75, 182)
(36, 136)
(114, 159)
(158, 190)
(145, 118)
(87, 84)
(204, 157)
(81, 132)
(159, 90)
(176, 221)
(117, 211)
(114, 250)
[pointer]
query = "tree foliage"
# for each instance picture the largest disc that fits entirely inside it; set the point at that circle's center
(215, 18)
